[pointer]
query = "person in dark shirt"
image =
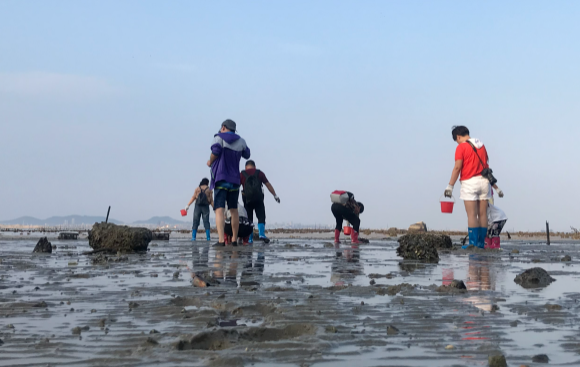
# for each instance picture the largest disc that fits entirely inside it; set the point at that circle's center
(253, 180)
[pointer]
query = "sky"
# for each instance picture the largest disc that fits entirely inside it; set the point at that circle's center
(116, 103)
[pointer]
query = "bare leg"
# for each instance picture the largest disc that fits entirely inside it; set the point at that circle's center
(472, 209)
(235, 224)
(220, 222)
(483, 213)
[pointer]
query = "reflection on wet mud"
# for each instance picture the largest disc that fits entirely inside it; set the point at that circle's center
(282, 303)
(346, 265)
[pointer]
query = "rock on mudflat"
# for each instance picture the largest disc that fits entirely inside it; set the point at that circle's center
(418, 227)
(566, 258)
(119, 238)
(497, 361)
(422, 246)
(534, 278)
(540, 358)
(456, 286)
(43, 246)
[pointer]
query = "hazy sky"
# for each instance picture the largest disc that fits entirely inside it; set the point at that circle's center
(116, 103)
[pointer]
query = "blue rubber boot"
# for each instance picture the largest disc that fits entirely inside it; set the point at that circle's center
(207, 235)
(193, 235)
(262, 232)
(251, 240)
(481, 237)
(473, 237)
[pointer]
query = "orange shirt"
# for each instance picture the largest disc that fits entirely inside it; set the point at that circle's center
(471, 164)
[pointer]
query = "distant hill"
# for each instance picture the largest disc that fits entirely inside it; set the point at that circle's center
(55, 221)
(161, 220)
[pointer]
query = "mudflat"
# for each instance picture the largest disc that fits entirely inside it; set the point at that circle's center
(295, 302)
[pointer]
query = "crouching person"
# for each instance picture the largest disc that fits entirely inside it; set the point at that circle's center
(246, 229)
(345, 207)
(497, 219)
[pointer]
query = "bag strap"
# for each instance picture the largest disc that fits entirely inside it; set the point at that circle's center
(476, 154)
(245, 174)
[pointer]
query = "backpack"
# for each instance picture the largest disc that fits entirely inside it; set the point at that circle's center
(202, 199)
(253, 187)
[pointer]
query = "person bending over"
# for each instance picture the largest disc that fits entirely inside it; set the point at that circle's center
(246, 228)
(350, 211)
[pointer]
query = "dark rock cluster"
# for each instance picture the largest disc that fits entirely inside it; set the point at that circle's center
(109, 236)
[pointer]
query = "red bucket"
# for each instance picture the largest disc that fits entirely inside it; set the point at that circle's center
(347, 230)
(183, 212)
(447, 206)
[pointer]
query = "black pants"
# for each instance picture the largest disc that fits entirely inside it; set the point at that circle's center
(244, 230)
(341, 213)
(260, 211)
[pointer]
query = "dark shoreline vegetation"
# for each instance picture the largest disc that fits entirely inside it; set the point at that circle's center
(391, 232)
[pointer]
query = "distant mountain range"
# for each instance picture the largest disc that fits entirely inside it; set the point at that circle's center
(86, 219)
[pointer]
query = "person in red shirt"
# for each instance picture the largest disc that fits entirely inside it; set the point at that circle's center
(252, 180)
(470, 159)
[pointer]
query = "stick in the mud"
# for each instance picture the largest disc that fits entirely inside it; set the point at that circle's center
(548, 232)
(108, 211)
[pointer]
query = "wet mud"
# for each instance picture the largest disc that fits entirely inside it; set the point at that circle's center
(290, 303)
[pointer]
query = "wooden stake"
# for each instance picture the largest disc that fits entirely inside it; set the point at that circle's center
(108, 211)
(548, 232)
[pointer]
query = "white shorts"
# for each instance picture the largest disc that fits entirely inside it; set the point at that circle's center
(475, 189)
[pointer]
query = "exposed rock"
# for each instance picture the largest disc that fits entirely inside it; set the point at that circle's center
(43, 246)
(376, 276)
(40, 304)
(391, 330)
(116, 238)
(76, 331)
(550, 307)
(456, 286)
(418, 227)
(540, 358)
(161, 236)
(101, 259)
(331, 329)
(497, 361)
(515, 251)
(394, 289)
(422, 246)
(566, 258)
(150, 340)
(534, 278)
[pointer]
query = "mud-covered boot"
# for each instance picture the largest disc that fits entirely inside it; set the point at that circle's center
(488, 244)
(336, 236)
(354, 237)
